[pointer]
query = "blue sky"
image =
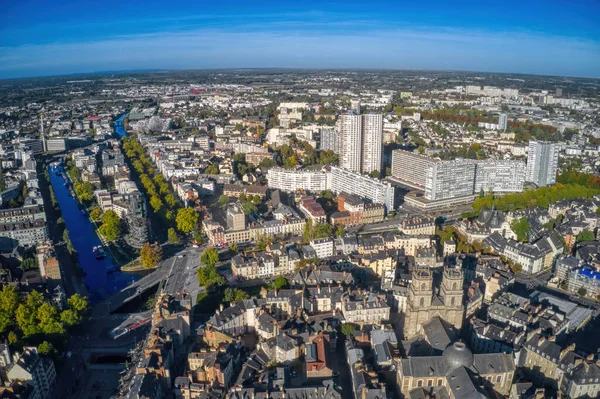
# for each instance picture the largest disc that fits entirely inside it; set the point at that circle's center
(62, 37)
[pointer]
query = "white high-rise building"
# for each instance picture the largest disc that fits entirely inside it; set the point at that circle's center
(503, 122)
(361, 142)
(450, 179)
(502, 176)
(372, 142)
(542, 163)
(351, 142)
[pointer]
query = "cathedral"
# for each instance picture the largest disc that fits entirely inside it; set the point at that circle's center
(423, 303)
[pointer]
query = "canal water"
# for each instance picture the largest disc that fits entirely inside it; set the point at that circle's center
(119, 128)
(101, 277)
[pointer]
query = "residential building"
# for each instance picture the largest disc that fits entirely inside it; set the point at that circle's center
(373, 190)
(330, 140)
(499, 176)
(542, 163)
(450, 179)
(293, 180)
(361, 142)
(411, 168)
(236, 218)
(36, 371)
(323, 247)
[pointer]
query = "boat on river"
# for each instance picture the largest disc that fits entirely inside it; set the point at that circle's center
(99, 252)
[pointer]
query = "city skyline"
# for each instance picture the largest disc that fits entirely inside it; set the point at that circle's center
(555, 40)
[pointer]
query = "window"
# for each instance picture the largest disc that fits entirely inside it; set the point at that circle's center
(419, 383)
(498, 379)
(429, 383)
(453, 301)
(422, 302)
(440, 382)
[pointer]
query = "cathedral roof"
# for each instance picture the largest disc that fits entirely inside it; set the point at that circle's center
(457, 355)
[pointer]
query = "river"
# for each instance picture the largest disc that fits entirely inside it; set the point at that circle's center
(119, 128)
(101, 277)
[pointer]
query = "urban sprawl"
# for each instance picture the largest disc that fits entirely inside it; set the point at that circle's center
(300, 234)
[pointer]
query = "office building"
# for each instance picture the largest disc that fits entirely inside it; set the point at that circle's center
(361, 142)
(236, 219)
(355, 106)
(450, 179)
(499, 176)
(410, 168)
(292, 180)
(503, 122)
(330, 140)
(542, 163)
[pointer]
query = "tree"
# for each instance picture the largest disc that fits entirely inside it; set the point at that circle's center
(375, 174)
(84, 190)
(582, 292)
(516, 268)
(46, 349)
(27, 314)
(29, 263)
(210, 257)
(70, 317)
(348, 329)
(170, 200)
(209, 276)
(521, 228)
(49, 319)
(212, 169)
(13, 339)
(223, 200)
(95, 214)
(156, 203)
(585, 235)
(233, 248)
(234, 295)
(339, 230)
(280, 282)
(249, 208)
(187, 219)
(151, 255)
(111, 226)
(9, 302)
(172, 236)
(290, 162)
(81, 304)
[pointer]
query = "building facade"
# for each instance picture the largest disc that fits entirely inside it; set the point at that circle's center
(542, 163)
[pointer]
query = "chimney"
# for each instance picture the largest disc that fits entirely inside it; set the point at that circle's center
(552, 338)
(221, 307)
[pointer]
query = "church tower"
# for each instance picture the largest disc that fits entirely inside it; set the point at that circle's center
(419, 301)
(421, 288)
(452, 294)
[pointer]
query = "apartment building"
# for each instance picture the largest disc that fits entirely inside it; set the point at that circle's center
(323, 247)
(36, 371)
(329, 140)
(499, 176)
(361, 142)
(411, 168)
(450, 179)
(373, 190)
(293, 180)
(542, 163)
